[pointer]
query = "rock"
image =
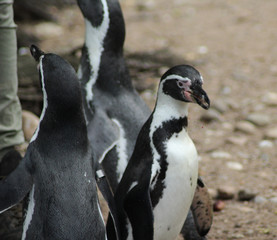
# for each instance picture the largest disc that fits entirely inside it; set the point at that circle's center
(258, 119)
(246, 195)
(220, 105)
(240, 141)
(270, 99)
(212, 192)
(265, 144)
(237, 236)
(227, 126)
(244, 209)
(273, 200)
(226, 192)
(250, 232)
(245, 127)
(226, 90)
(260, 199)
(219, 205)
(29, 124)
(221, 154)
(203, 49)
(211, 115)
(234, 166)
(240, 76)
(271, 133)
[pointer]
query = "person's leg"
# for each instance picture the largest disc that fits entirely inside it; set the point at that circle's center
(10, 110)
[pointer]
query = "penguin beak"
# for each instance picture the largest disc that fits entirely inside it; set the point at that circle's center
(199, 96)
(36, 52)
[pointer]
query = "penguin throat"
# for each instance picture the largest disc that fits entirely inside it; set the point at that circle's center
(95, 44)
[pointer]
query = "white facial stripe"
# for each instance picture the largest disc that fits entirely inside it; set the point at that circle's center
(121, 148)
(28, 219)
(45, 103)
(201, 78)
(178, 77)
(94, 41)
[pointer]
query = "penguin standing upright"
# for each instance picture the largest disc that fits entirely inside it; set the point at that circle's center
(114, 110)
(57, 167)
(158, 185)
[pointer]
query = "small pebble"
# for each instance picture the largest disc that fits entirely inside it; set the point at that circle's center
(211, 115)
(265, 144)
(245, 127)
(270, 99)
(273, 200)
(260, 199)
(226, 90)
(220, 105)
(246, 209)
(250, 232)
(240, 76)
(234, 166)
(240, 141)
(226, 192)
(203, 49)
(258, 119)
(221, 154)
(219, 205)
(246, 195)
(212, 192)
(271, 133)
(237, 236)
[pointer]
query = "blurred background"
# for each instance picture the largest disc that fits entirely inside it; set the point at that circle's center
(233, 43)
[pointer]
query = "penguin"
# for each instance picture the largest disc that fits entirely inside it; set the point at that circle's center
(57, 169)
(114, 110)
(155, 193)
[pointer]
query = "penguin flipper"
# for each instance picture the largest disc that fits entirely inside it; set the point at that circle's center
(15, 187)
(138, 207)
(201, 208)
(103, 133)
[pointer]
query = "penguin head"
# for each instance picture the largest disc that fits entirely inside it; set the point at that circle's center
(93, 11)
(106, 18)
(184, 83)
(59, 81)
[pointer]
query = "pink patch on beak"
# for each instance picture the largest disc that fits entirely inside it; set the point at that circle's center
(188, 96)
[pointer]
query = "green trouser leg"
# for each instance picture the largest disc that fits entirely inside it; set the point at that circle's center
(10, 110)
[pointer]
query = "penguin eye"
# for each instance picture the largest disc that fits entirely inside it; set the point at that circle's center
(182, 84)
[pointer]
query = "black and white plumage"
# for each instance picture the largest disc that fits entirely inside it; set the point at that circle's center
(114, 110)
(158, 185)
(57, 168)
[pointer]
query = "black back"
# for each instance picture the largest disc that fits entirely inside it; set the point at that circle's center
(113, 94)
(57, 167)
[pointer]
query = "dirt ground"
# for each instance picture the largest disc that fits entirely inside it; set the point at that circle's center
(234, 45)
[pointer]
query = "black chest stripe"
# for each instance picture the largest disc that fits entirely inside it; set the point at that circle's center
(160, 137)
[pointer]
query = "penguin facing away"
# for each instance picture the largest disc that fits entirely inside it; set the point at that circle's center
(114, 110)
(57, 167)
(158, 185)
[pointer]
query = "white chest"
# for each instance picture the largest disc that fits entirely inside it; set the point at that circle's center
(180, 183)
